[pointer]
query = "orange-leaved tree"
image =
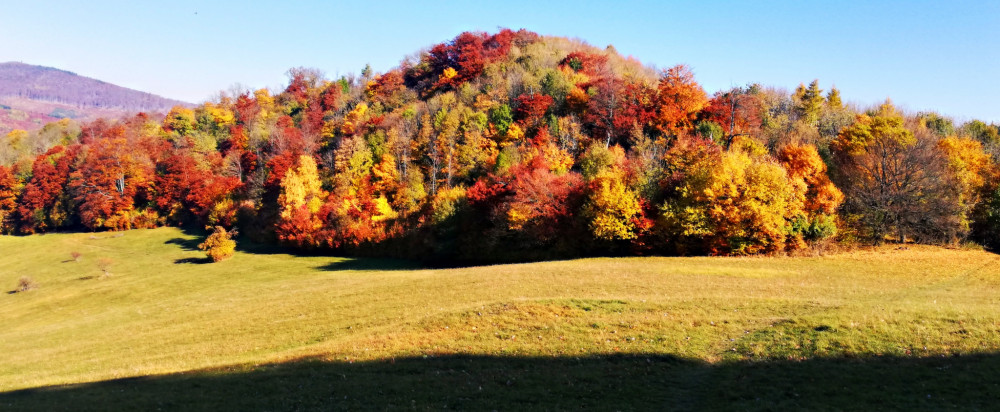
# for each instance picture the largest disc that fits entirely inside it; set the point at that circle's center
(971, 170)
(821, 198)
(679, 99)
(9, 190)
(112, 173)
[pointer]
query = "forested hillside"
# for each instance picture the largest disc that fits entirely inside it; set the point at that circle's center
(514, 146)
(31, 96)
(49, 84)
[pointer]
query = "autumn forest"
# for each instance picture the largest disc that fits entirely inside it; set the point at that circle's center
(514, 146)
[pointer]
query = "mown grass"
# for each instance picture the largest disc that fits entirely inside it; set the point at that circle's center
(159, 328)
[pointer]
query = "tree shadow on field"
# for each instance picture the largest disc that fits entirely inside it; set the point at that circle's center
(196, 261)
(628, 382)
(189, 245)
(371, 264)
(244, 245)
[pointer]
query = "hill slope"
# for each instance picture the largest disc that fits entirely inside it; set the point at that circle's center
(33, 95)
(916, 329)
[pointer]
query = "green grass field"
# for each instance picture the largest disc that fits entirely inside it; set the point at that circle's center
(900, 329)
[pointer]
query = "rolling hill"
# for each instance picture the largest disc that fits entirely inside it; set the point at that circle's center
(31, 96)
(140, 321)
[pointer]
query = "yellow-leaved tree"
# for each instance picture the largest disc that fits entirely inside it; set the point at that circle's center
(354, 119)
(734, 202)
(301, 187)
(611, 206)
(301, 197)
(180, 119)
(449, 73)
(753, 202)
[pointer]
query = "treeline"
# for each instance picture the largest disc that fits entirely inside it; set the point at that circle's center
(513, 146)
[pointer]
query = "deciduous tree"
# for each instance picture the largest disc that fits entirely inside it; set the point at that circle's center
(970, 169)
(892, 178)
(9, 190)
(611, 208)
(301, 197)
(679, 99)
(737, 111)
(821, 197)
(45, 205)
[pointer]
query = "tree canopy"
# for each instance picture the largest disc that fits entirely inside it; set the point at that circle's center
(513, 146)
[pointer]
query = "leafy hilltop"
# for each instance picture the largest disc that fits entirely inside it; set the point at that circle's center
(31, 96)
(513, 146)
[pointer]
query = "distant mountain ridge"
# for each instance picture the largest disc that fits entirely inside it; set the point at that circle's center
(31, 96)
(60, 86)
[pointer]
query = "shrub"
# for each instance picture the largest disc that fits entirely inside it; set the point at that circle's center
(104, 264)
(25, 284)
(219, 245)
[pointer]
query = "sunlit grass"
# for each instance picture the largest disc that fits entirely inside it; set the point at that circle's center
(157, 309)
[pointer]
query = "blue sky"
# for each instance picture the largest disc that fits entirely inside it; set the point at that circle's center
(925, 55)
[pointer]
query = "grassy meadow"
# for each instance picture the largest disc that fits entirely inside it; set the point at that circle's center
(140, 320)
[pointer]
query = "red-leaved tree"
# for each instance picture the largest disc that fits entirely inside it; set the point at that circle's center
(44, 205)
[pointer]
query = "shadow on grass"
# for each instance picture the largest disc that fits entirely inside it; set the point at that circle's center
(196, 261)
(633, 382)
(189, 245)
(363, 262)
(246, 246)
(371, 264)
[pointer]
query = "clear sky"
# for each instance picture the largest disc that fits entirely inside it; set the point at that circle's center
(925, 55)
